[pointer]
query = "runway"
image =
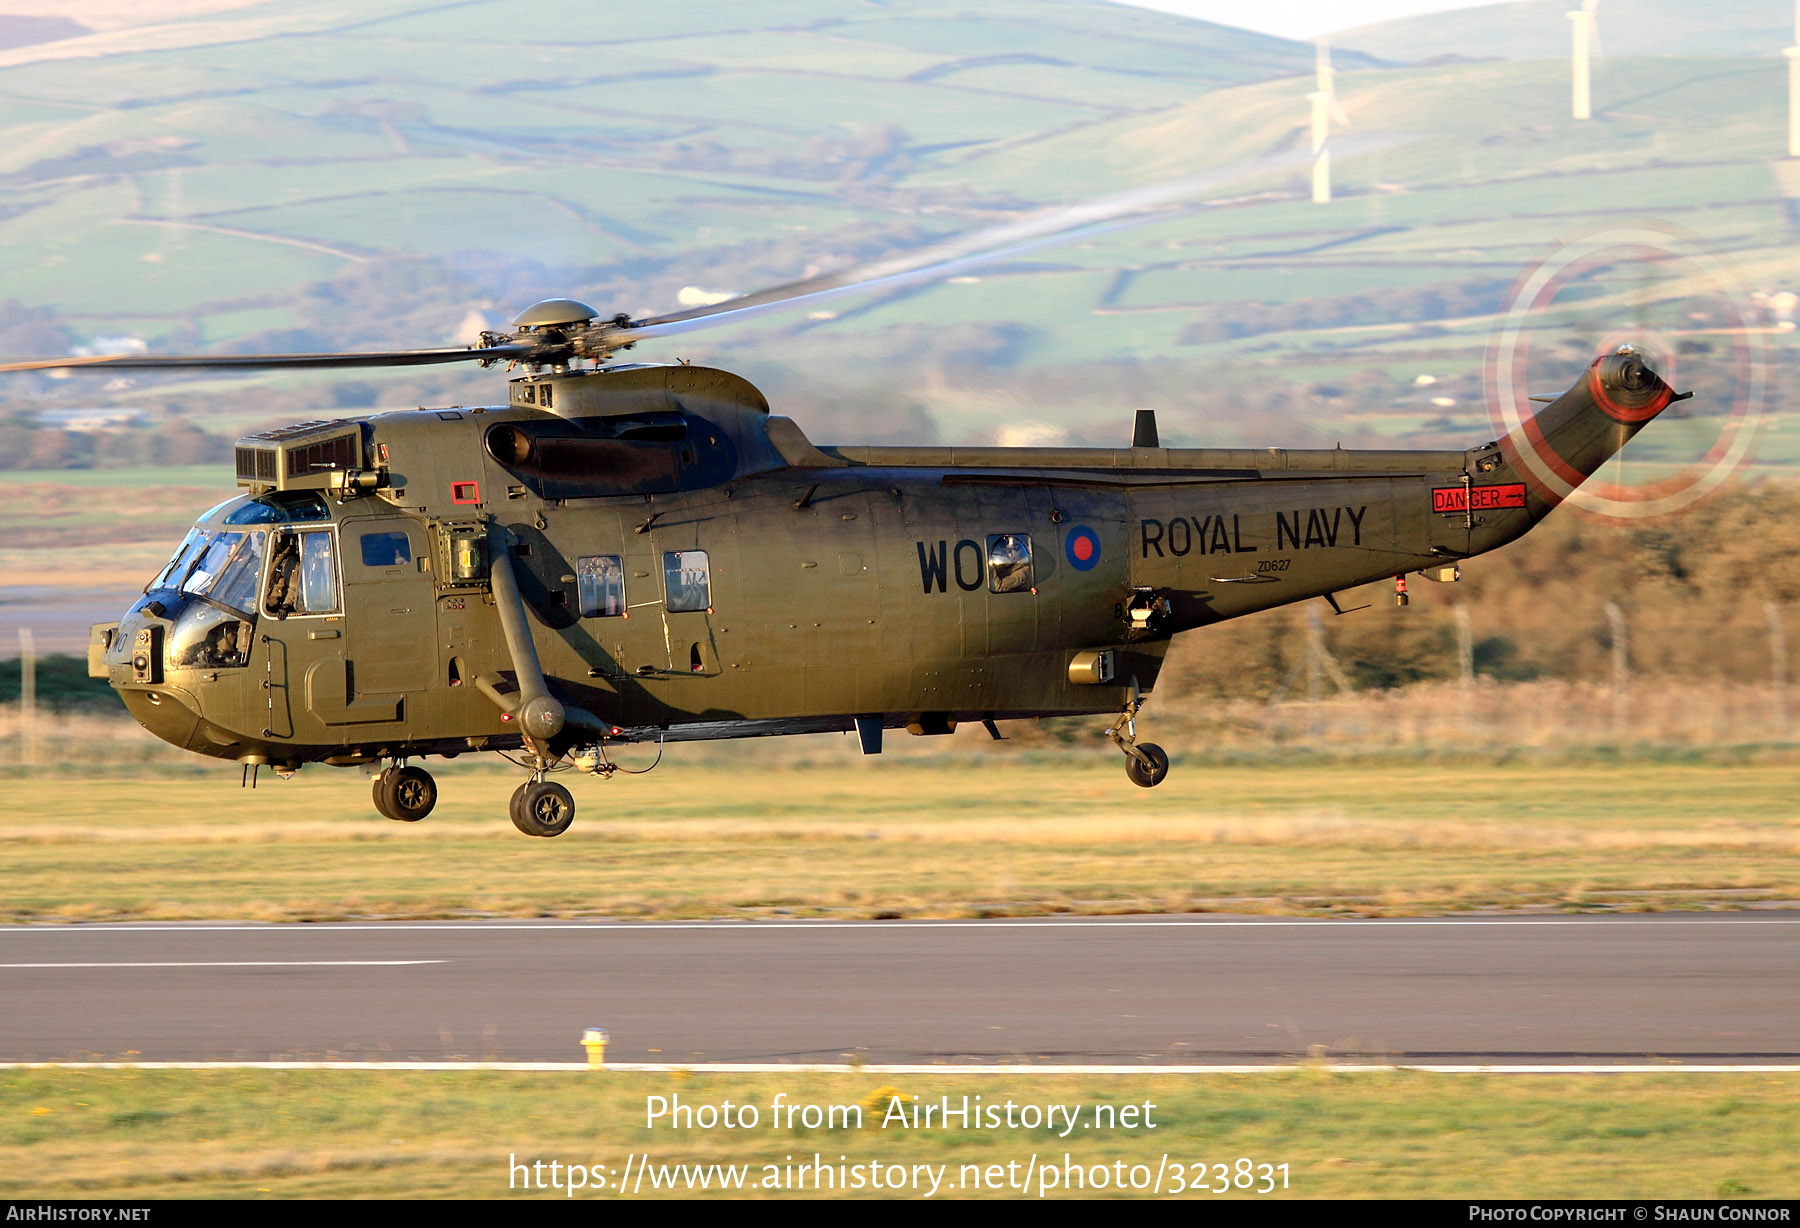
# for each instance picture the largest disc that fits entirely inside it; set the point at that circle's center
(1689, 989)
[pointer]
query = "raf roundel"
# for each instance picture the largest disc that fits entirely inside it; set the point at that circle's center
(1082, 548)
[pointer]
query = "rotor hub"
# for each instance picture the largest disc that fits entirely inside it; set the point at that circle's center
(554, 313)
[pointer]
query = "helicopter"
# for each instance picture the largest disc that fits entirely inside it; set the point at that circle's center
(634, 553)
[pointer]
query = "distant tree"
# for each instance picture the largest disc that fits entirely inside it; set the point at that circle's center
(15, 445)
(56, 449)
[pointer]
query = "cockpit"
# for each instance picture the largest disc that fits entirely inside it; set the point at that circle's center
(271, 555)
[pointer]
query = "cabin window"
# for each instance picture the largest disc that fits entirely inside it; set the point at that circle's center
(386, 549)
(1009, 563)
(687, 577)
(600, 580)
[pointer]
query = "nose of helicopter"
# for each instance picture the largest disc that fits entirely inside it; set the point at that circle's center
(163, 711)
(131, 654)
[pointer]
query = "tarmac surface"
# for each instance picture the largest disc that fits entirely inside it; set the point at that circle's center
(1677, 988)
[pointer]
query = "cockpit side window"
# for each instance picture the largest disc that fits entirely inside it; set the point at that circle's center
(302, 576)
(318, 574)
(207, 637)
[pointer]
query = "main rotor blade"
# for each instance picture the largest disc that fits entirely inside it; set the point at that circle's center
(1066, 224)
(253, 362)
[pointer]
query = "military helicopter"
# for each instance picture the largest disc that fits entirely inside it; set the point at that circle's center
(627, 553)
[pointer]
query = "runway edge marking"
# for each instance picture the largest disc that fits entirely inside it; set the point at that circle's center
(911, 1068)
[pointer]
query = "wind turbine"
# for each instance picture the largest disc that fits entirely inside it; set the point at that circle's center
(1793, 59)
(1325, 108)
(1585, 32)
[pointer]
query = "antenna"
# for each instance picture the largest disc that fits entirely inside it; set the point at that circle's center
(1325, 108)
(1585, 32)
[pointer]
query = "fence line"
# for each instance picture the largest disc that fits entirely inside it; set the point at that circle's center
(1778, 672)
(1715, 708)
(28, 722)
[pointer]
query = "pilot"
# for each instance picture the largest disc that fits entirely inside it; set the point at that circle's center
(612, 587)
(227, 644)
(1010, 560)
(282, 578)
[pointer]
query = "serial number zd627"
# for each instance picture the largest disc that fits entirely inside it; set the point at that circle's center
(1245, 1175)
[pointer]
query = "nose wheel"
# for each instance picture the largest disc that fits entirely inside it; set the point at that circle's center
(542, 808)
(1146, 763)
(405, 794)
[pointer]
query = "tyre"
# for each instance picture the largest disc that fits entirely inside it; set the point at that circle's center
(543, 809)
(381, 798)
(1151, 776)
(410, 794)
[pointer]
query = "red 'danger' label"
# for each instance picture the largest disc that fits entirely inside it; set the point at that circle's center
(1460, 498)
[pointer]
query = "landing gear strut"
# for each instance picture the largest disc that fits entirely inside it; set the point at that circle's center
(1146, 763)
(542, 807)
(405, 794)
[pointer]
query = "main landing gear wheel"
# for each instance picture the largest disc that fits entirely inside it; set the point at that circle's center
(1148, 775)
(1146, 763)
(406, 794)
(542, 808)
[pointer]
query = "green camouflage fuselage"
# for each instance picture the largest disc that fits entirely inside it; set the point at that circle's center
(691, 566)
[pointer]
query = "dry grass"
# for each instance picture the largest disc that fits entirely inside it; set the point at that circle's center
(809, 828)
(1486, 719)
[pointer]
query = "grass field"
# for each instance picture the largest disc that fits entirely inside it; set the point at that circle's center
(812, 831)
(245, 1134)
(804, 828)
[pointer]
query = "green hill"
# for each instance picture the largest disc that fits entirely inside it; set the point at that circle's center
(315, 175)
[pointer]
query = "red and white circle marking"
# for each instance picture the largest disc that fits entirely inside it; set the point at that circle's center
(1508, 360)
